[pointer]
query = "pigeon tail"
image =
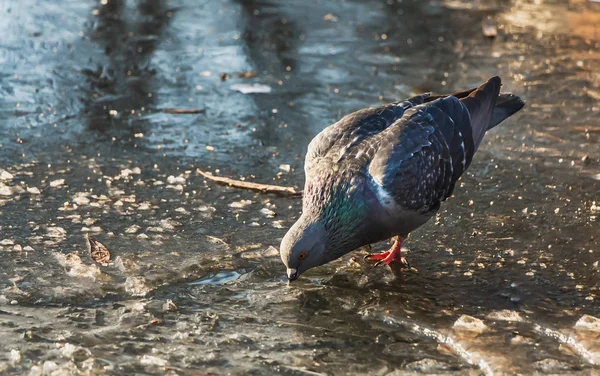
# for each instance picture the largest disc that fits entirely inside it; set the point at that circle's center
(507, 104)
(481, 103)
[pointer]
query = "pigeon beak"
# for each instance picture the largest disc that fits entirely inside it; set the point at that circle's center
(292, 274)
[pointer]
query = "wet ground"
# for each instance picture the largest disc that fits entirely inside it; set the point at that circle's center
(504, 281)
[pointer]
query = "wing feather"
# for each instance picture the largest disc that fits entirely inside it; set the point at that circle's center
(354, 129)
(421, 155)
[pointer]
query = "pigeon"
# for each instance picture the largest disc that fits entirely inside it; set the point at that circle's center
(382, 172)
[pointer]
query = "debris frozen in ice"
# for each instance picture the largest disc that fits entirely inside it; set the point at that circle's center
(153, 361)
(80, 198)
(129, 198)
(137, 286)
(251, 88)
(76, 353)
(330, 17)
(261, 253)
(469, 323)
(5, 190)
(49, 367)
(277, 224)
(177, 187)
(267, 212)
(15, 357)
(145, 206)
(89, 221)
(505, 315)
(7, 242)
(76, 268)
(56, 232)
(5, 175)
(215, 240)
(132, 229)
(125, 173)
(588, 323)
(176, 179)
(169, 224)
(205, 208)
(240, 204)
(169, 306)
(57, 183)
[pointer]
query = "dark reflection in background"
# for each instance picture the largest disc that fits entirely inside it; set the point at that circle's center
(271, 37)
(271, 41)
(125, 81)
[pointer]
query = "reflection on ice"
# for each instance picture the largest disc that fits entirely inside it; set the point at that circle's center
(218, 279)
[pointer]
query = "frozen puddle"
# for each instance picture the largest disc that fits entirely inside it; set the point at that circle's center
(218, 279)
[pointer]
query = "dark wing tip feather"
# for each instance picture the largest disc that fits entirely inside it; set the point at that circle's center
(480, 104)
(487, 90)
(507, 105)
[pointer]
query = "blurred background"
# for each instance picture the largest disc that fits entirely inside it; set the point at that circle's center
(107, 108)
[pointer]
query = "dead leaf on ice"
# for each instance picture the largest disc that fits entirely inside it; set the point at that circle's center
(98, 251)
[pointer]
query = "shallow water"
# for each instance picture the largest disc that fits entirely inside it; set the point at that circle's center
(504, 281)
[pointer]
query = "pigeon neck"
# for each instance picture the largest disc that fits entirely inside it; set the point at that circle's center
(339, 206)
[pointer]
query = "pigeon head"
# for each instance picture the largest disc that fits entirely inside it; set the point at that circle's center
(330, 226)
(304, 247)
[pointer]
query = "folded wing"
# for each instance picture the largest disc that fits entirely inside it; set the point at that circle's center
(422, 155)
(337, 139)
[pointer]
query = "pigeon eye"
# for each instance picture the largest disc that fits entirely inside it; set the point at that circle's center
(302, 256)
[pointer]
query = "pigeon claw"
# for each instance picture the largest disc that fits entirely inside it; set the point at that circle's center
(401, 260)
(390, 256)
(377, 256)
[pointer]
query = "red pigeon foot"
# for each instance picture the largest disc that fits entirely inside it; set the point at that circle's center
(390, 256)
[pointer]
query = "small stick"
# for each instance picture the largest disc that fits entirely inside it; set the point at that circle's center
(184, 110)
(266, 188)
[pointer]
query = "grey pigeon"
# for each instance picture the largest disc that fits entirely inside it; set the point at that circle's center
(382, 172)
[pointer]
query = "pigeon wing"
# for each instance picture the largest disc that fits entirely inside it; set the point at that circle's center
(335, 140)
(422, 155)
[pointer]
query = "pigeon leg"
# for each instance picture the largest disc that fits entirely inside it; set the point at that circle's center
(388, 257)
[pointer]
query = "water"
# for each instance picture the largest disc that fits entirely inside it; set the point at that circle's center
(505, 281)
(218, 279)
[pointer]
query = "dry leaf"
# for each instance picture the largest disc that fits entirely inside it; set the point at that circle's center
(330, 17)
(98, 252)
(248, 74)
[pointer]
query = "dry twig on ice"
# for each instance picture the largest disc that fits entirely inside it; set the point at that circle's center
(267, 188)
(184, 110)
